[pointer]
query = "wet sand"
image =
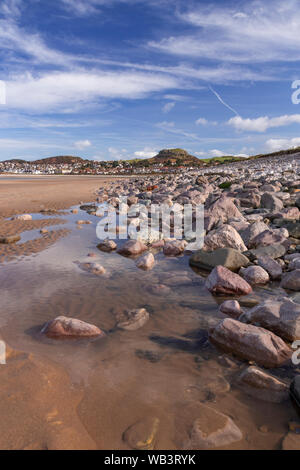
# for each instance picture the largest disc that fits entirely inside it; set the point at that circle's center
(19, 194)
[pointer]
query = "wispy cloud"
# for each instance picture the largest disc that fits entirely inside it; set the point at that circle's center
(223, 102)
(82, 144)
(250, 32)
(168, 107)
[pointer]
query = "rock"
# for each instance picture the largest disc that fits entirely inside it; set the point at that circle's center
(22, 217)
(271, 266)
(290, 213)
(174, 248)
(294, 264)
(251, 343)
(291, 442)
(93, 268)
(146, 262)
(70, 327)
(132, 247)
(273, 251)
(223, 281)
(291, 280)
(220, 211)
(281, 317)
(231, 308)
(43, 231)
(10, 239)
(142, 435)
(295, 390)
(159, 289)
(227, 257)
(255, 275)
(252, 231)
(83, 222)
(212, 430)
(224, 237)
(267, 238)
(132, 320)
(271, 202)
(259, 384)
(107, 245)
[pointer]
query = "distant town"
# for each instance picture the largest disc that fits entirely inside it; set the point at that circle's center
(166, 161)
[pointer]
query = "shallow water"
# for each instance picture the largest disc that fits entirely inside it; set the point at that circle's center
(163, 370)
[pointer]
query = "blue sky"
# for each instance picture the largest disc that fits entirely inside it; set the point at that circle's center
(111, 79)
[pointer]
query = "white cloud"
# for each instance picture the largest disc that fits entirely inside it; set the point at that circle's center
(61, 90)
(82, 144)
(168, 107)
(117, 154)
(263, 123)
(274, 145)
(148, 152)
(257, 32)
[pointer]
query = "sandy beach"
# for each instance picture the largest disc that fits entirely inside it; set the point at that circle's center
(19, 194)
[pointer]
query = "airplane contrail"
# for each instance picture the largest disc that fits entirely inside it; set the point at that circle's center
(222, 101)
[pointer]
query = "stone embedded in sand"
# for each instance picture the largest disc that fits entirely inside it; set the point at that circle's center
(132, 320)
(212, 430)
(227, 257)
(146, 262)
(83, 222)
(255, 275)
(43, 231)
(107, 246)
(142, 435)
(251, 343)
(224, 237)
(70, 327)
(10, 239)
(159, 289)
(271, 266)
(223, 281)
(231, 308)
(291, 280)
(22, 217)
(132, 247)
(93, 268)
(259, 384)
(291, 441)
(281, 317)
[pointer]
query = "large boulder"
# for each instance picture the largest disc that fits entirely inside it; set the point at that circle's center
(259, 384)
(70, 327)
(291, 280)
(274, 251)
(281, 317)
(224, 237)
(227, 257)
(223, 281)
(251, 343)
